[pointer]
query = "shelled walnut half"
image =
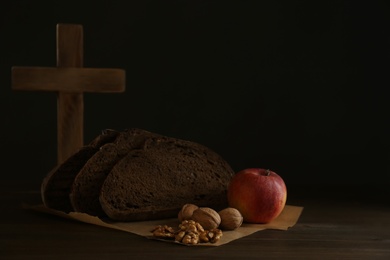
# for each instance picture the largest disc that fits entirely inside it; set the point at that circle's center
(189, 232)
(163, 231)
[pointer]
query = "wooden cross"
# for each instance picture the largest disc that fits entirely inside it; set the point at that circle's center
(70, 80)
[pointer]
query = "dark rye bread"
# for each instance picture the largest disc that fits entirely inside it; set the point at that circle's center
(157, 180)
(86, 186)
(56, 185)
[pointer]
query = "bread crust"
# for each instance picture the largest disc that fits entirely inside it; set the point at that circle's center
(156, 181)
(136, 175)
(56, 185)
(85, 190)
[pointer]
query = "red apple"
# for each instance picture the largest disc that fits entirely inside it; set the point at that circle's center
(259, 194)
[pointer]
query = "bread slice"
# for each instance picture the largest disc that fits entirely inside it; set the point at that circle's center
(156, 180)
(55, 187)
(85, 190)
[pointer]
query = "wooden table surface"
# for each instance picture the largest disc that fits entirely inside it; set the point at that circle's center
(330, 227)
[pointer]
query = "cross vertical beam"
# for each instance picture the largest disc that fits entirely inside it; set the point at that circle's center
(70, 105)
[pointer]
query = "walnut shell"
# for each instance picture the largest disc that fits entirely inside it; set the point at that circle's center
(186, 212)
(231, 218)
(206, 217)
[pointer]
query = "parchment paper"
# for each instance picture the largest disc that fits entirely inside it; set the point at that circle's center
(288, 218)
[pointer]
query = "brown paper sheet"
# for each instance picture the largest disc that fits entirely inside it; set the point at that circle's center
(288, 218)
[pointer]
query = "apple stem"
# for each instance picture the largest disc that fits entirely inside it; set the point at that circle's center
(268, 172)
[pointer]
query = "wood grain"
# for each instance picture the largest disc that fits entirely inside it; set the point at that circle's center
(70, 106)
(68, 79)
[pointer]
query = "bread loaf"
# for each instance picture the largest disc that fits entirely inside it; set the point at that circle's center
(56, 185)
(86, 186)
(156, 181)
(138, 175)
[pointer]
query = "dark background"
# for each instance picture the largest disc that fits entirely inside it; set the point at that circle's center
(294, 86)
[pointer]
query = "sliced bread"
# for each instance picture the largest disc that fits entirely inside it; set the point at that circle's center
(85, 190)
(55, 187)
(156, 180)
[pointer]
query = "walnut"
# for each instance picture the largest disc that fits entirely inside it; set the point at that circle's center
(191, 226)
(188, 233)
(206, 217)
(190, 238)
(186, 211)
(231, 218)
(163, 231)
(212, 236)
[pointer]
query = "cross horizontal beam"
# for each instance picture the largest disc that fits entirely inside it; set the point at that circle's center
(68, 79)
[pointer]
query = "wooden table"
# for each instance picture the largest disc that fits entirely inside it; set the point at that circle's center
(329, 228)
